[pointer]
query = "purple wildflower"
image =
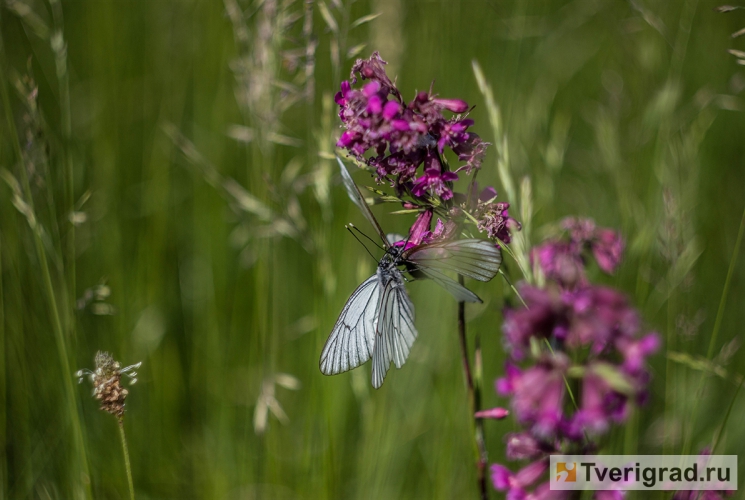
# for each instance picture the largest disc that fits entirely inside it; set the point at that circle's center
(517, 485)
(560, 263)
(492, 217)
(538, 396)
(563, 261)
(472, 152)
(453, 105)
(497, 223)
(514, 482)
(635, 351)
(596, 317)
(543, 318)
(402, 136)
(600, 406)
(372, 69)
(702, 495)
(434, 181)
(522, 445)
(607, 247)
(580, 229)
(597, 329)
(420, 229)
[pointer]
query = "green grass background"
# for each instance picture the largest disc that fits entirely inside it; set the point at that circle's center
(629, 112)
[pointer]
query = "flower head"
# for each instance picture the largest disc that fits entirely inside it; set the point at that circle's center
(106, 380)
(522, 445)
(538, 396)
(497, 223)
(435, 181)
(563, 260)
(399, 137)
(571, 340)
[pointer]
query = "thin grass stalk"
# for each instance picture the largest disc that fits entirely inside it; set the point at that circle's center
(495, 120)
(682, 37)
(714, 334)
(3, 386)
(474, 401)
(59, 335)
(726, 417)
(125, 450)
(669, 389)
(18, 404)
(631, 433)
(59, 47)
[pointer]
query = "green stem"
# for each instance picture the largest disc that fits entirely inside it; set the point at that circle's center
(3, 386)
(127, 466)
(507, 249)
(726, 417)
(669, 388)
(59, 47)
(513, 288)
(569, 390)
(474, 397)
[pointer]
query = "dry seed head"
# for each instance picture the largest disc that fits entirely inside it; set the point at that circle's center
(106, 380)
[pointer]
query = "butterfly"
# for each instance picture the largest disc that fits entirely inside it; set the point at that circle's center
(378, 319)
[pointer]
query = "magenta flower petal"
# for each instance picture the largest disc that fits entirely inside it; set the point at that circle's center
(531, 472)
(454, 105)
(488, 193)
(517, 494)
(521, 445)
(493, 413)
(420, 228)
(374, 105)
(401, 125)
(391, 109)
(501, 477)
(608, 249)
(370, 89)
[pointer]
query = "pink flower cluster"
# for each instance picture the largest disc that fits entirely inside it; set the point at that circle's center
(576, 334)
(396, 138)
(564, 260)
(404, 136)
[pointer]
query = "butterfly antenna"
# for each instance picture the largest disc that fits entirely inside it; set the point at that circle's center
(406, 242)
(348, 228)
(350, 225)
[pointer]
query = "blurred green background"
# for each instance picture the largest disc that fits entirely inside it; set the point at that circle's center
(177, 204)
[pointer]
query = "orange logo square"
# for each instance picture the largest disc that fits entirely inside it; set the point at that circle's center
(566, 474)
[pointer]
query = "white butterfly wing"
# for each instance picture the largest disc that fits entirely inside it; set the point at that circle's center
(395, 333)
(461, 293)
(477, 259)
(352, 340)
(356, 196)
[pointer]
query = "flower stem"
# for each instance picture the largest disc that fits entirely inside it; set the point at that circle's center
(127, 466)
(474, 399)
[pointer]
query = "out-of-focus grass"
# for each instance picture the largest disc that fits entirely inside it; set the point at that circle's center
(196, 162)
